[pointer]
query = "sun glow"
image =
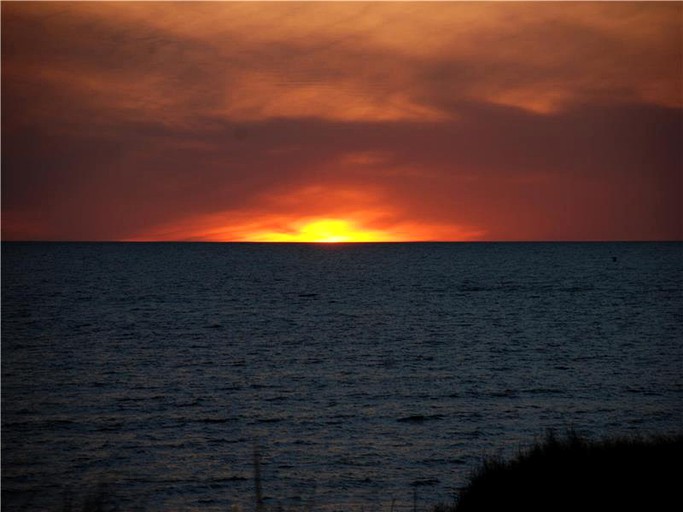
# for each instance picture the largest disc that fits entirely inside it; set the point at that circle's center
(325, 231)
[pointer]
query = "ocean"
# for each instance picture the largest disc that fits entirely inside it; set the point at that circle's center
(359, 376)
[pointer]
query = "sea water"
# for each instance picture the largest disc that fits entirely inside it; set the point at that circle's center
(368, 376)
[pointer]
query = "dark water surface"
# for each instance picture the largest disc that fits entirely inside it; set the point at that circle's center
(363, 371)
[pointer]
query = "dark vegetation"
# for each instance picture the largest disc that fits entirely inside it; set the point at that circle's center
(574, 474)
(568, 473)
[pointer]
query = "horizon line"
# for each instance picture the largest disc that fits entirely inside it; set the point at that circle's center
(344, 242)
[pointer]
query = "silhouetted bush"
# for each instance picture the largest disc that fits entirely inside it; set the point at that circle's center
(574, 474)
(559, 474)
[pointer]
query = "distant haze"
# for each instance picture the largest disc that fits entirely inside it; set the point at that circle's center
(335, 121)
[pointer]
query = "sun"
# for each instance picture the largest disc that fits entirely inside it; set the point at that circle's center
(325, 231)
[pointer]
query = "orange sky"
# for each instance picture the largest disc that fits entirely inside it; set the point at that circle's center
(344, 121)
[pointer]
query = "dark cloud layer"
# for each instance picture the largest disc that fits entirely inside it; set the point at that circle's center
(203, 122)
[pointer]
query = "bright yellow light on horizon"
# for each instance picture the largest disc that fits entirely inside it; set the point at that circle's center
(325, 231)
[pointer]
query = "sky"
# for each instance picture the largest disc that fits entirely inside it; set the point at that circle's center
(342, 121)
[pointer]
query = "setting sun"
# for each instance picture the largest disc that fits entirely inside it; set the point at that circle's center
(325, 231)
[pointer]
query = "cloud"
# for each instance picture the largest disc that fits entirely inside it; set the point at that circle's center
(180, 63)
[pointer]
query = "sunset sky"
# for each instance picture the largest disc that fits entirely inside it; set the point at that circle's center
(352, 121)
